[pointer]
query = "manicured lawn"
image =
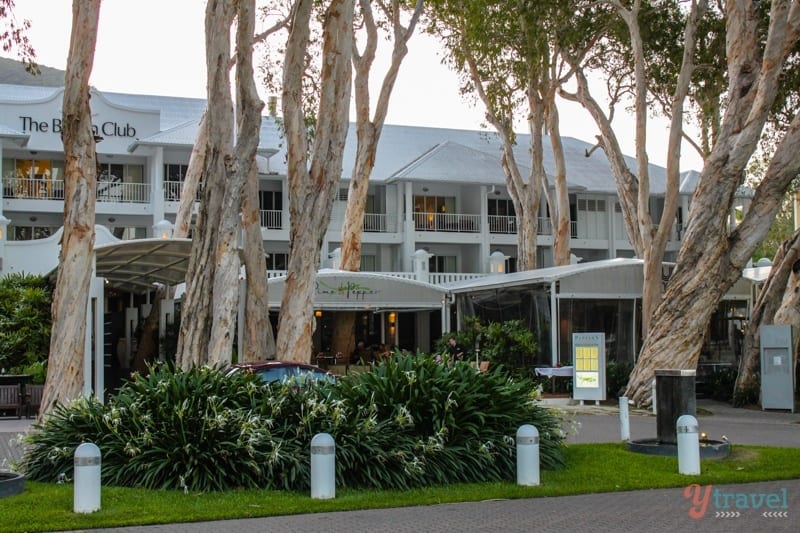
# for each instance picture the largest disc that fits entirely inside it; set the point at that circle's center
(591, 468)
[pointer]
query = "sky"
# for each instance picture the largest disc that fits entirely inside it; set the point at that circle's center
(157, 47)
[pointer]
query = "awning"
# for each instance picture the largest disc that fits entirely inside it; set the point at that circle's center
(136, 265)
(365, 291)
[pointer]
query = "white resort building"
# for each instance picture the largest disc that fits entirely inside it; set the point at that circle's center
(438, 217)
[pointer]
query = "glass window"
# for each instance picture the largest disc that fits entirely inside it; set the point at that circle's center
(434, 204)
(173, 172)
(368, 263)
(442, 263)
(277, 261)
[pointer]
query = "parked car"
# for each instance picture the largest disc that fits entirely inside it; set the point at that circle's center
(271, 371)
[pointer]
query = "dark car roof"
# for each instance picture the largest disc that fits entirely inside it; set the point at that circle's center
(276, 364)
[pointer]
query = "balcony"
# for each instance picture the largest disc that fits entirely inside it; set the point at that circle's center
(379, 223)
(507, 225)
(447, 222)
(107, 191)
(271, 219)
(173, 189)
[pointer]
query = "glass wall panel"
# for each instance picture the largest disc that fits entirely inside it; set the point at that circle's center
(615, 318)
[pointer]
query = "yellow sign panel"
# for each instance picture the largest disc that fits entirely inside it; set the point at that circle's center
(586, 358)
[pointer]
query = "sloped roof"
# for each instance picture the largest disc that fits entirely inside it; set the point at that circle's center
(16, 136)
(540, 275)
(138, 264)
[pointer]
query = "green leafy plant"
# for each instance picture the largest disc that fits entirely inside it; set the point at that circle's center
(411, 422)
(508, 343)
(720, 384)
(617, 375)
(24, 320)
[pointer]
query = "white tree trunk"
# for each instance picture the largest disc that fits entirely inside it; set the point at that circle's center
(197, 319)
(226, 279)
(183, 219)
(711, 257)
(312, 189)
(68, 334)
(368, 133)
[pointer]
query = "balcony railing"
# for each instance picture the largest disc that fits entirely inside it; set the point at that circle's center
(504, 224)
(449, 222)
(173, 189)
(271, 219)
(439, 278)
(121, 192)
(379, 223)
(33, 189)
(107, 191)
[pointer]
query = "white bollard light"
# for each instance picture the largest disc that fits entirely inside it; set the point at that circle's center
(624, 420)
(86, 497)
(527, 455)
(323, 467)
(688, 445)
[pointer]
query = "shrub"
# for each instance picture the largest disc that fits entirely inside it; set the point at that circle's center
(617, 375)
(24, 320)
(508, 343)
(720, 384)
(411, 422)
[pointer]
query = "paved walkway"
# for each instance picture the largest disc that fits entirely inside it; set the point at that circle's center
(712, 509)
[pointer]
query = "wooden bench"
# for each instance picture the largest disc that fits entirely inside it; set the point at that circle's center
(33, 399)
(11, 399)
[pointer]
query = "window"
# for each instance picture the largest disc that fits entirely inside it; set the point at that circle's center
(501, 207)
(270, 200)
(368, 263)
(442, 263)
(277, 261)
(28, 233)
(174, 172)
(434, 204)
(33, 178)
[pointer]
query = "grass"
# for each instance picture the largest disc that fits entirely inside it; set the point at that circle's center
(591, 468)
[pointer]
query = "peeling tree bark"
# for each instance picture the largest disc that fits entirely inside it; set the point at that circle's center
(312, 187)
(197, 320)
(183, 219)
(258, 343)
(67, 339)
(368, 133)
(711, 256)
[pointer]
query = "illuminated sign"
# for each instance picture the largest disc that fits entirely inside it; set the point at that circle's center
(589, 360)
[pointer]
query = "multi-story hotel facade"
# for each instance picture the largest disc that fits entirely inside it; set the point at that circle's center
(437, 212)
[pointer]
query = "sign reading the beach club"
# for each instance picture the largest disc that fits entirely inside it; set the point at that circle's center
(108, 128)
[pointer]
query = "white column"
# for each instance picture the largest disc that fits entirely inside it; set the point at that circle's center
(157, 183)
(554, 326)
(485, 246)
(409, 243)
(97, 295)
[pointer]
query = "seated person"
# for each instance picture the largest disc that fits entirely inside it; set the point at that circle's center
(361, 355)
(455, 350)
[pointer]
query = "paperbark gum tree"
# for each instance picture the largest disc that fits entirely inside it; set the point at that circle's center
(191, 181)
(508, 55)
(197, 321)
(368, 133)
(711, 256)
(258, 343)
(781, 280)
(242, 166)
(648, 238)
(68, 333)
(313, 187)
